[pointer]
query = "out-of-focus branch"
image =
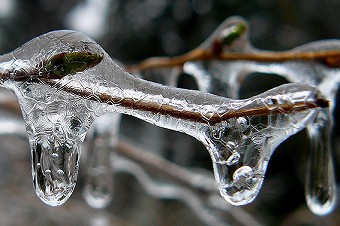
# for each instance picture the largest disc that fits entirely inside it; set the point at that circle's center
(331, 58)
(202, 203)
(160, 165)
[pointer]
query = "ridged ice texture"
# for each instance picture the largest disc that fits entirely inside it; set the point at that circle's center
(225, 78)
(56, 126)
(58, 114)
(56, 122)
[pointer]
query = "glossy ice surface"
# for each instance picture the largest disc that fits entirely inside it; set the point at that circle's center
(226, 77)
(59, 112)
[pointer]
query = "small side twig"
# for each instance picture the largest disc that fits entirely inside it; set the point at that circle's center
(331, 58)
(175, 172)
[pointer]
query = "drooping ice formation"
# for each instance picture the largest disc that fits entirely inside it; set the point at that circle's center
(225, 78)
(101, 142)
(240, 135)
(320, 184)
(56, 122)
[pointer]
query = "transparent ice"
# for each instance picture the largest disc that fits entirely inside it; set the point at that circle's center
(225, 78)
(101, 142)
(58, 114)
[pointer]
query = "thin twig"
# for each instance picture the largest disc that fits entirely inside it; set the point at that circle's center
(177, 173)
(331, 58)
(165, 109)
(211, 118)
(183, 176)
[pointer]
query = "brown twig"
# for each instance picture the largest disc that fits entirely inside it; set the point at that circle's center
(11, 105)
(64, 64)
(165, 109)
(331, 58)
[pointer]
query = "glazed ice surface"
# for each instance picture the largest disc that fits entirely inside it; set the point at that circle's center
(240, 135)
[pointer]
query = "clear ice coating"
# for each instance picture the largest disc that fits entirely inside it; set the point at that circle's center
(225, 78)
(55, 129)
(101, 142)
(240, 135)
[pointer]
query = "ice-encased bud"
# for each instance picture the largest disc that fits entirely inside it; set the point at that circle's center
(69, 63)
(230, 36)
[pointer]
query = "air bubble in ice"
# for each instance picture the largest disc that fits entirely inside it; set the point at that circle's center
(242, 124)
(242, 176)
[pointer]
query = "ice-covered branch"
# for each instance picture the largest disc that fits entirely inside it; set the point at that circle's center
(227, 59)
(64, 80)
(229, 42)
(331, 58)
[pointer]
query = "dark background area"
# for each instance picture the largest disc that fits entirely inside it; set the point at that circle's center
(131, 31)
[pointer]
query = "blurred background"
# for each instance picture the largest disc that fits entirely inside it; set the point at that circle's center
(133, 30)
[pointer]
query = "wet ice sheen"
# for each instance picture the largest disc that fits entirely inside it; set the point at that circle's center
(320, 184)
(57, 121)
(225, 78)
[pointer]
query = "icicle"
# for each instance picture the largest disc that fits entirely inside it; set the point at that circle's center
(59, 108)
(320, 184)
(101, 143)
(55, 131)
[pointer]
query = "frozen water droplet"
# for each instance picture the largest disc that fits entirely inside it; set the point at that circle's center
(320, 184)
(54, 177)
(99, 188)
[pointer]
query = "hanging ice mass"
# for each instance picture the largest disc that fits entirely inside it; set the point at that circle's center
(64, 80)
(226, 60)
